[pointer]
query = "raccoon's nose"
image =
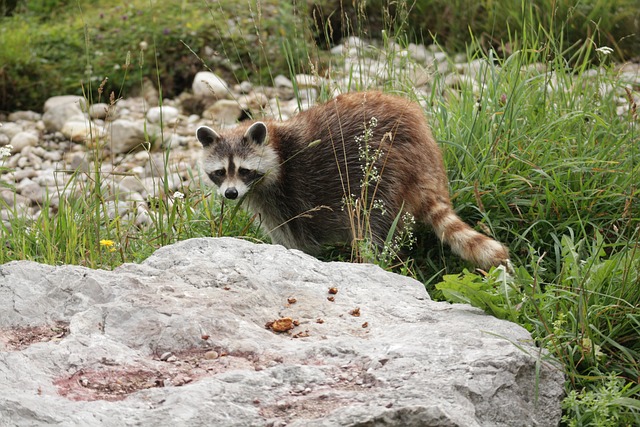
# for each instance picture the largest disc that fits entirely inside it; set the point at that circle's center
(231, 193)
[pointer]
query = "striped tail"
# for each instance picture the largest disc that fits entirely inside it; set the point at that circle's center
(464, 241)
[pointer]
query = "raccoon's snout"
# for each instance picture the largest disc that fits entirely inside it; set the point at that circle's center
(231, 193)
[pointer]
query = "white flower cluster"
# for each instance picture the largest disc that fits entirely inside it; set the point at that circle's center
(5, 151)
(379, 204)
(368, 156)
(403, 238)
(605, 50)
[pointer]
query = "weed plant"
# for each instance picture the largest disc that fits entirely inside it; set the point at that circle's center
(541, 154)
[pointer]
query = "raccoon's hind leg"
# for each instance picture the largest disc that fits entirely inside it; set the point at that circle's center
(464, 241)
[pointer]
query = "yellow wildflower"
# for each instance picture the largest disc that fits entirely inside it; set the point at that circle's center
(109, 244)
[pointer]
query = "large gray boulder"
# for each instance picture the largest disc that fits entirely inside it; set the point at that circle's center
(186, 338)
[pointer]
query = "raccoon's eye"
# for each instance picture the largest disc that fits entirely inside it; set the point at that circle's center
(217, 175)
(243, 171)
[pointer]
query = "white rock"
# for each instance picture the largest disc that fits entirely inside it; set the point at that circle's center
(275, 110)
(36, 150)
(117, 208)
(206, 85)
(254, 102)
(76, 161)
(101, 110)
(60, 109)
(309, 94)
(338, 50)
(378, 70)
(15, 201)
(472, 68)
(21, 174)
(49, 178)
(356, 81)
(54, 156)
(282, 82)
(354, 41)
(156, 185)
(460, 82)
(167, 113)
(10, 129)
(132, 184)
(418, 52)
(309, 80)
(24, 162)
(406, 361)
(245, 87)
(417, 74)
(126, 135)
(142, 219)
(76, 130)
(27, 116)
(35, 160)
(57, 101)
(223, 113)
(172, 140)
(31, 190)
(350, 47)
(440, 56)
(137, 171)
(21, 140)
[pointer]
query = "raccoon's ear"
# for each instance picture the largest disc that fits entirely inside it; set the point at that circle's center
(257, 133)
(207, 136)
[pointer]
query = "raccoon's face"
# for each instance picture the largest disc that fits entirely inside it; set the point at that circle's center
(235, 161)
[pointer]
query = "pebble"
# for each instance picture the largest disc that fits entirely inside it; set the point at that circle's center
(100, 111)
(207, 84)
(10, 129)
(76, 130)
(126, 135)
(223, 113)
(22, 140)
(281, 81)
(165, 114)
(245, 87)
(211, 355)
(27, 116)
(60, 109)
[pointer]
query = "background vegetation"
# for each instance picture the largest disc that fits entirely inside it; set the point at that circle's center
(543, 151)
(44, 49)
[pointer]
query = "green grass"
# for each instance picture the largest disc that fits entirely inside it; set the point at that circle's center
(537, 157)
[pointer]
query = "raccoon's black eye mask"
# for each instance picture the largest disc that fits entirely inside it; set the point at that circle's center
(217, 176)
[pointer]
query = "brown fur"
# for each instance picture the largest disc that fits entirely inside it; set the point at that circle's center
(301, 198)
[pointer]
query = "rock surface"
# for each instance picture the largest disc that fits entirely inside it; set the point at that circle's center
(181, 339)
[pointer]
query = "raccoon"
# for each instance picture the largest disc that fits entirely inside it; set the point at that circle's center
(296, 175)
